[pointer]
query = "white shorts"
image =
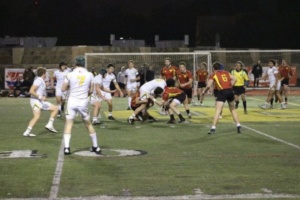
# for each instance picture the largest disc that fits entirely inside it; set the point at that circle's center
(77, 106)
(106, 95)
(94, 99)
(278, 85)
(60, 93)
(131, 87)
(37, 104)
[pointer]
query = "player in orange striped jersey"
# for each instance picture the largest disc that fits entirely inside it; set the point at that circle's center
(171, 98)
(285, 72)
(224, 82)
(185, 81)
(201, 78)
(168, 71)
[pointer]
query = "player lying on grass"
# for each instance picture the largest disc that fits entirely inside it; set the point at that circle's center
(171, 98)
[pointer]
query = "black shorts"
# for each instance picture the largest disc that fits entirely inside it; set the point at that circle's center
(225, 95)
(238, 90)
(181, 97)
(216, 92)
(285, 82)
(122, 85)
(188, 92)
(201, 84)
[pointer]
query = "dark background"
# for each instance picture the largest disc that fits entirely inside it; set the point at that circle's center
(244, 23)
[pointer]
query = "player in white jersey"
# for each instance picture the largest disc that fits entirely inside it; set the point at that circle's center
(109, 78)
(59, 76)
(274, 85)
(97, 97)
(80, 84)
(132, 76)
(145, 92)
(38, 103)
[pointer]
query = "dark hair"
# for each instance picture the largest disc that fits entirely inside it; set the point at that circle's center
(217, 66)
(61, 64)
(170, 82)
(158, 91)
(110, 65)
(182, 63)
(272, 61)
(102, 72)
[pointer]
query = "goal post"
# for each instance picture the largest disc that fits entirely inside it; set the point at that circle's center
(250, 58)
(156, 60)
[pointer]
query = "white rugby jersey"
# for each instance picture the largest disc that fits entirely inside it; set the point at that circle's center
(151, 85)
(108, 79)
(41, 87)
(97, 80)
(271, 73)
(60, 77)
(131, 74)
(79, 81)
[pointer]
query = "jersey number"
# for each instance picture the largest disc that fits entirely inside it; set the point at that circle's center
(81, 79)
(224, 78)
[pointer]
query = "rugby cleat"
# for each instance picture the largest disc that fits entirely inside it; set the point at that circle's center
(264, 106)
(171, 122)
(190, 115)
(67, 151)
(130, 121)
(212, 131)
(111, 118)
(181, 120)
(50, 128)
(97, 150)
(238, 129)
(29, 135)
(96, 122)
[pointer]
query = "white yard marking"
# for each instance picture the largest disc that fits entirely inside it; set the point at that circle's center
(57, 174)
(272, 137)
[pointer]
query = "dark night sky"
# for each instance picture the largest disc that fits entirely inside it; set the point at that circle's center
(269, 23)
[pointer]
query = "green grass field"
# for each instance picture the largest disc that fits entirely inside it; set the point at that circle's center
(181, 160)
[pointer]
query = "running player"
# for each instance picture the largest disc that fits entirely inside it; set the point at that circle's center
(132, 76)
(145, 91)
(185, 81)
(59, 77)
(107, 79)
(239, 87)
(201, 78)
(80, 84)
(224, 82)
(38, 103)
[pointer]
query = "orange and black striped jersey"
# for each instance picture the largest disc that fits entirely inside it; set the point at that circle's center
(201, 75)
(170, 92)
(222, 79)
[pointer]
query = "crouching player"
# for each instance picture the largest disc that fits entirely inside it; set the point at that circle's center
(171, 98)
(136, 102)
(145, 92)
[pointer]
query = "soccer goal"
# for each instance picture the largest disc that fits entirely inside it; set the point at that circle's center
(250, 57)
(145, 60)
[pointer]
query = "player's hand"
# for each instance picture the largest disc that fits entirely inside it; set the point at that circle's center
(121, 94)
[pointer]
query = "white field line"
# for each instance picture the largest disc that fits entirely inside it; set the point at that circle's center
(272, 137)
(289, 103)
(57, 174)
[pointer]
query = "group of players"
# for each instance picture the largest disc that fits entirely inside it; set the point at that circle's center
(175, 87)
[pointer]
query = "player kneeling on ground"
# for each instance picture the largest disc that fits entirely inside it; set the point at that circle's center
(171, 98)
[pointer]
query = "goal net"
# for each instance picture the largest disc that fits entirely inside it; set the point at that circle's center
(250, 57)
(145, 60)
